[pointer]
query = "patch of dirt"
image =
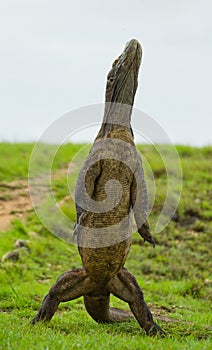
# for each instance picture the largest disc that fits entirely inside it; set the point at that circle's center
(8, 310)
(160, 313)
(15, 202)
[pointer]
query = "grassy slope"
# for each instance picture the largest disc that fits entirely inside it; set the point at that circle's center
(174, 276)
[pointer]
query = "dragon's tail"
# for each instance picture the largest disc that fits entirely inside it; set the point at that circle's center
(98, 308)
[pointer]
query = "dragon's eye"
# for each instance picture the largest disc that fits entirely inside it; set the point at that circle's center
(110, 79)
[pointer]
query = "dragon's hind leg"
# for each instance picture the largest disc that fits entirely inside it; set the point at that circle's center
(124, 286)
(69, 286)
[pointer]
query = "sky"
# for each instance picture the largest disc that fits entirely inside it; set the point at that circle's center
(55, 56)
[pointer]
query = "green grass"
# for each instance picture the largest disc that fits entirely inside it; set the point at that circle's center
(14, 160)
(175, 276)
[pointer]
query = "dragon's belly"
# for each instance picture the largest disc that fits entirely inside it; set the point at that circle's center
(101, 264)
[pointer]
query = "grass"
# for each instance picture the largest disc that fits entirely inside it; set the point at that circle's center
(175, 276)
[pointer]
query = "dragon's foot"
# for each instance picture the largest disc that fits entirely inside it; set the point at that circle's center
(155, 330)
(46, 311)
(39, 317)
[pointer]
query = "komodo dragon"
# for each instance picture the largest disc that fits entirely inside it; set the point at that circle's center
(104, 230)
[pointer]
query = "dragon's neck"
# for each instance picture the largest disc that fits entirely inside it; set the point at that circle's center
(120, 90)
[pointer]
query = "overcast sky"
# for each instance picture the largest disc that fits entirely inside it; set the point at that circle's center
(55, 56)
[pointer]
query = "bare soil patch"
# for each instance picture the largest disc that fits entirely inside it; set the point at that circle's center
(15, 202)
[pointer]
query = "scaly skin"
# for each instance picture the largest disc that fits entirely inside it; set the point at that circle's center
(104, 236)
